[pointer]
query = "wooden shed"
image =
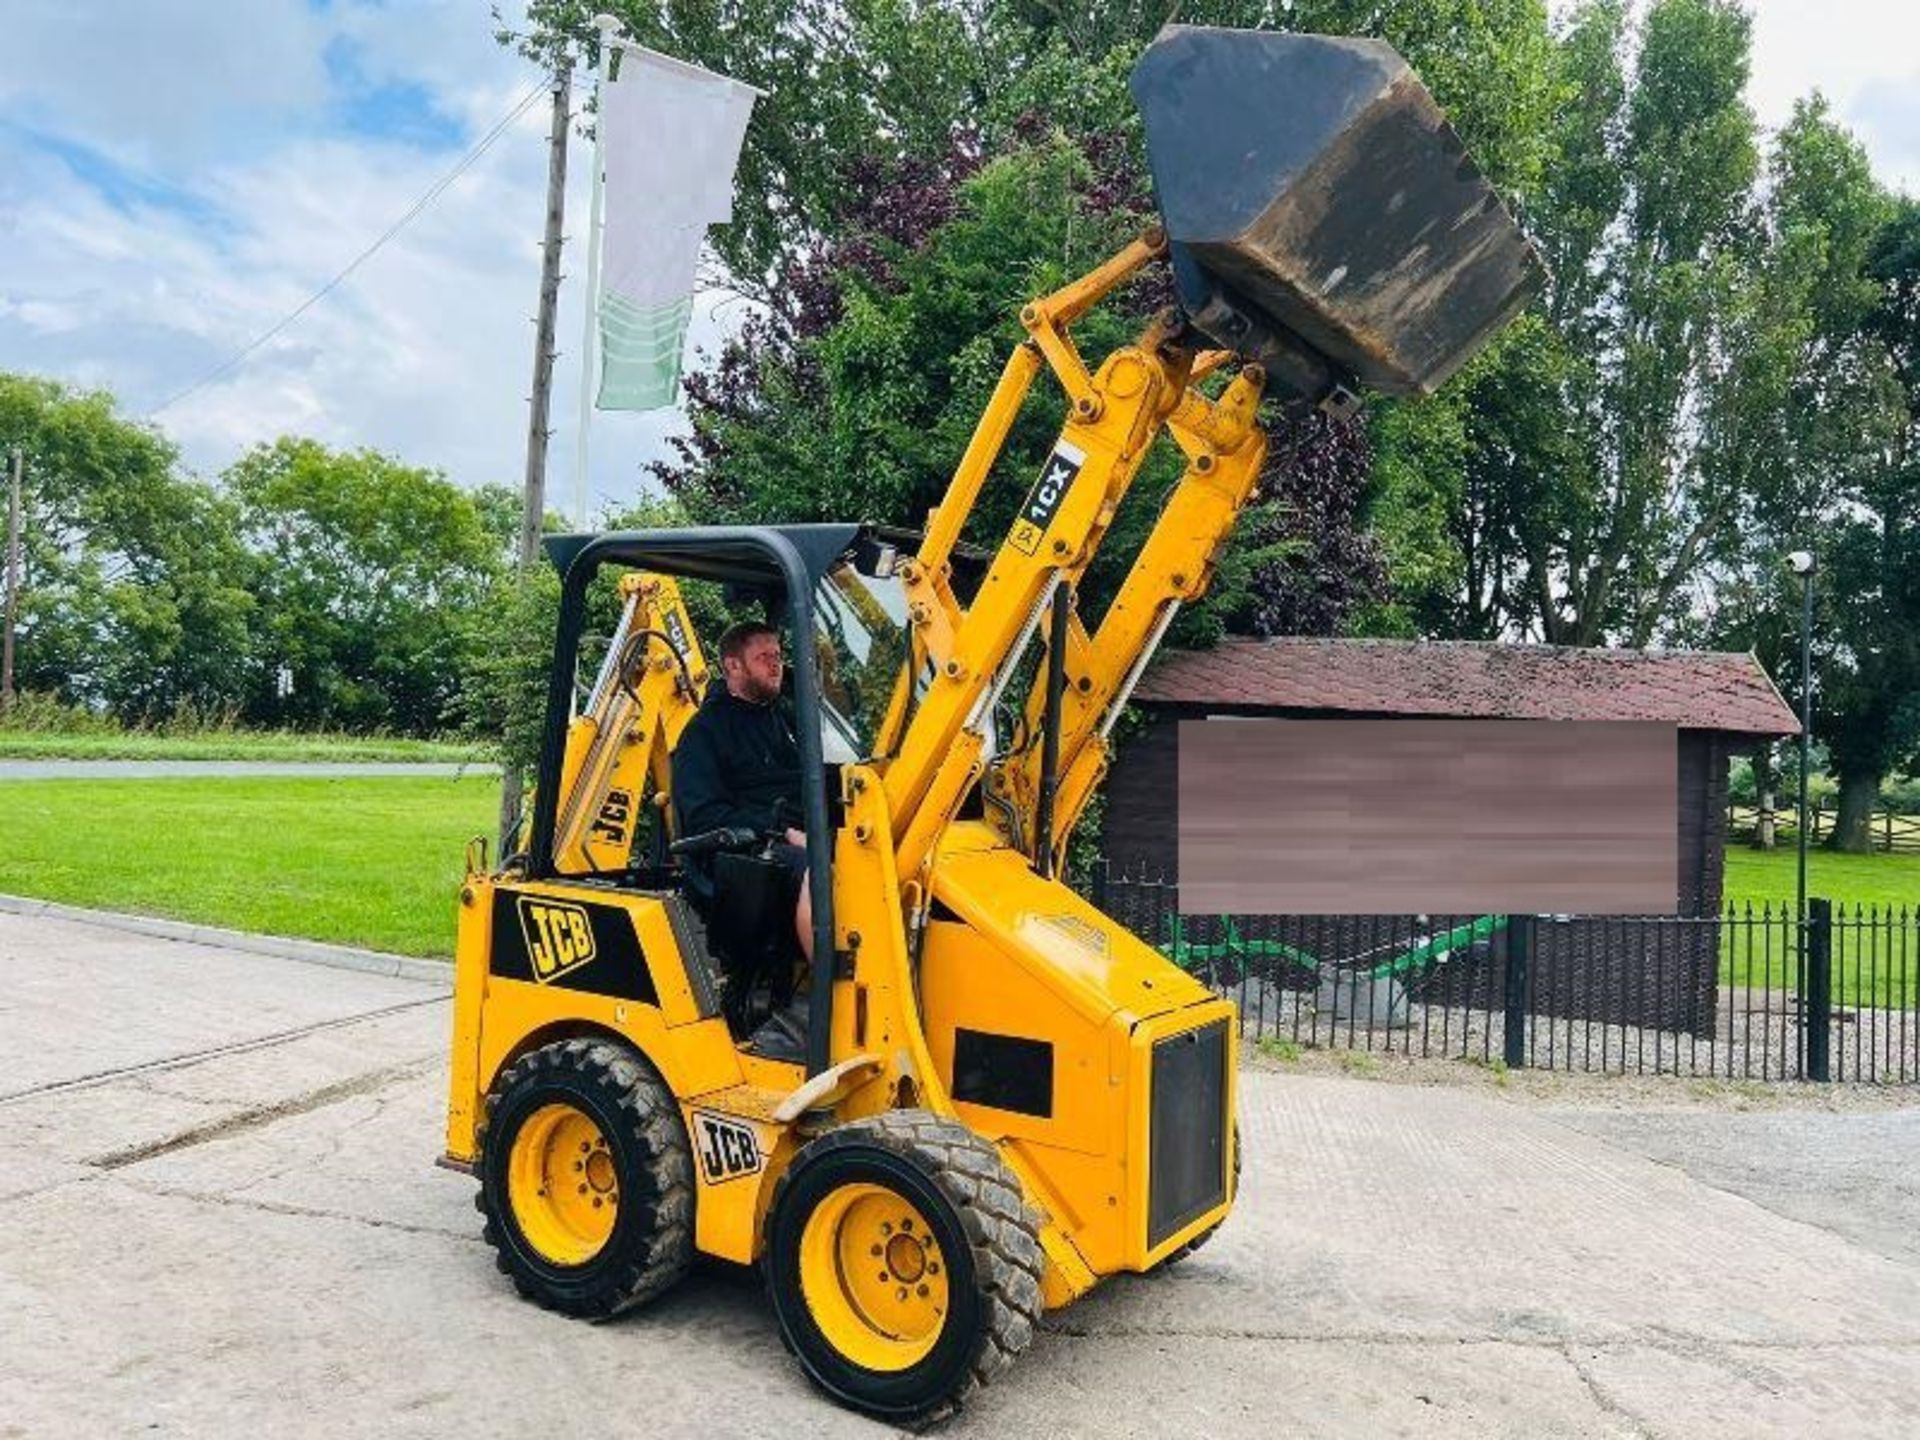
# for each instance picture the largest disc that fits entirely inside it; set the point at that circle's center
(1720, 704)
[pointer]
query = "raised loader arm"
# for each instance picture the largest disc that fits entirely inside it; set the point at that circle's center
(1114, 415)
(1324, 228)
(1225, 450)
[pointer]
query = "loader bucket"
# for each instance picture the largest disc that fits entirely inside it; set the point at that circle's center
(1323, 216)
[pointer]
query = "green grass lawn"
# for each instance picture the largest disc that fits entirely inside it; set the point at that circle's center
(1873, 964)
(223, 745)
(1763, 875)
(372, 862)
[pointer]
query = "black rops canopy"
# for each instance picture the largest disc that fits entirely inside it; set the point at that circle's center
(735, 554)
(785, 559)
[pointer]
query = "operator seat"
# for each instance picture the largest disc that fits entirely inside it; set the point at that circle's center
(744, 904)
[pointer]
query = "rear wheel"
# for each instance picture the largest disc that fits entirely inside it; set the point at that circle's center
(586, 1178)
(903, 1264)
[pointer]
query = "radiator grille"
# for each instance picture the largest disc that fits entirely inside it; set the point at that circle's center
(1187, 1173)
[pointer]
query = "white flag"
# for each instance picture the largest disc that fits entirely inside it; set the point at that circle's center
(670, 138)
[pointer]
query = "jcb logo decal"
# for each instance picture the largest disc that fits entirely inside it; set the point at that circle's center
(559, 936)
(727, 1148)
(1045, 497)
(611, 823)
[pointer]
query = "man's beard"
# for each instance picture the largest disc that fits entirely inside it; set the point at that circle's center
(758, 691)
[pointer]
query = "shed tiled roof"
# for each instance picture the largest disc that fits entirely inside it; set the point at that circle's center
(1692, 689)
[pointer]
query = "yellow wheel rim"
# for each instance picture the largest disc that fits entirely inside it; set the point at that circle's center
(563, 1185)
(873, 1277)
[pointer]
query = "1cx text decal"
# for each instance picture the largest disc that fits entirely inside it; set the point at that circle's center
(1056, 478)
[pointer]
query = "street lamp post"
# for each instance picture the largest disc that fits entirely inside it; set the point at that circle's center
(1802, 563)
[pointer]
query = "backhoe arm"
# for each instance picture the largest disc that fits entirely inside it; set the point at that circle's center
(648, 688)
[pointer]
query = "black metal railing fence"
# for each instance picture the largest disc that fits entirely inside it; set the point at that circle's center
(1747, 993)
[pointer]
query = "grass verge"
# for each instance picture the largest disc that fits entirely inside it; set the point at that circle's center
(370, 862)
(226, 745)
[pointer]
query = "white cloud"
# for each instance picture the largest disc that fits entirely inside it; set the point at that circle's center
(1886, 114)
(161, 85)
(444, 46)
(1863, 55)
(143, 274)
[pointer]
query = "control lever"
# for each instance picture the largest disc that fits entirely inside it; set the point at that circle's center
(727, 837)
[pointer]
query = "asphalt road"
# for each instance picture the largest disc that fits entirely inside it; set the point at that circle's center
(219, 1216)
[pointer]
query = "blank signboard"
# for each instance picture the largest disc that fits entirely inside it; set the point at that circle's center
(1369, 817)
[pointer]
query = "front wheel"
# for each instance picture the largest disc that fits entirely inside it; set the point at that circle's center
(586, 1179)
(903, 1265)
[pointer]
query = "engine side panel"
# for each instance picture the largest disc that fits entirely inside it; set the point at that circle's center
(1018, 967)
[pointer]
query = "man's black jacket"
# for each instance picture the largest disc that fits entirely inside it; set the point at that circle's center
(735, 762)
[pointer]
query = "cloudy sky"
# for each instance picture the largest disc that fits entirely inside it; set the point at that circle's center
(176, 176)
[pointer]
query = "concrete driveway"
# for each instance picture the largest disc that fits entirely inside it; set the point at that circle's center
(218, 1215)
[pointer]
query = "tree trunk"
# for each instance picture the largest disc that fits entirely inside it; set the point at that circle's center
(1852, 825)
(1766, 779)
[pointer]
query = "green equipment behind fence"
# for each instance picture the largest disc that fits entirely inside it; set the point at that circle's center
(1434, 950)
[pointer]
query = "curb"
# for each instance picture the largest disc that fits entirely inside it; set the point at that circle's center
(310, 952)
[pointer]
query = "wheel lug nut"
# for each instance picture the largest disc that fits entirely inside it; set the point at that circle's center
(875, 1252)
(933, 1269)
(579, 1164)
(583, 1189)
(921, 1292)
(886, 1227)
(906, 1224)
(903, 1292)
(596, 1202)
(884, 1277)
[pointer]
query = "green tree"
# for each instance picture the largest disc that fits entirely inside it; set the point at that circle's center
(369, 574)
(842, 80)
(858, 404)
(864, 94)
(1573, 493)
(1867, 679)
(1801, 431)
(133, 595)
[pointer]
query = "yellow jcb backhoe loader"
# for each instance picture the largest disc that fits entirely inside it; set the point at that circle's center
(1006, 1097)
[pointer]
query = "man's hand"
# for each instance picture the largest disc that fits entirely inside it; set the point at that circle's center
(796, 837)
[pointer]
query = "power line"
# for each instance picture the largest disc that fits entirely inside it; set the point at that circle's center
(465, 163)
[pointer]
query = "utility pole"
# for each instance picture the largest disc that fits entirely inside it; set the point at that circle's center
(13, 578)
(534, 491)
(537, 427)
